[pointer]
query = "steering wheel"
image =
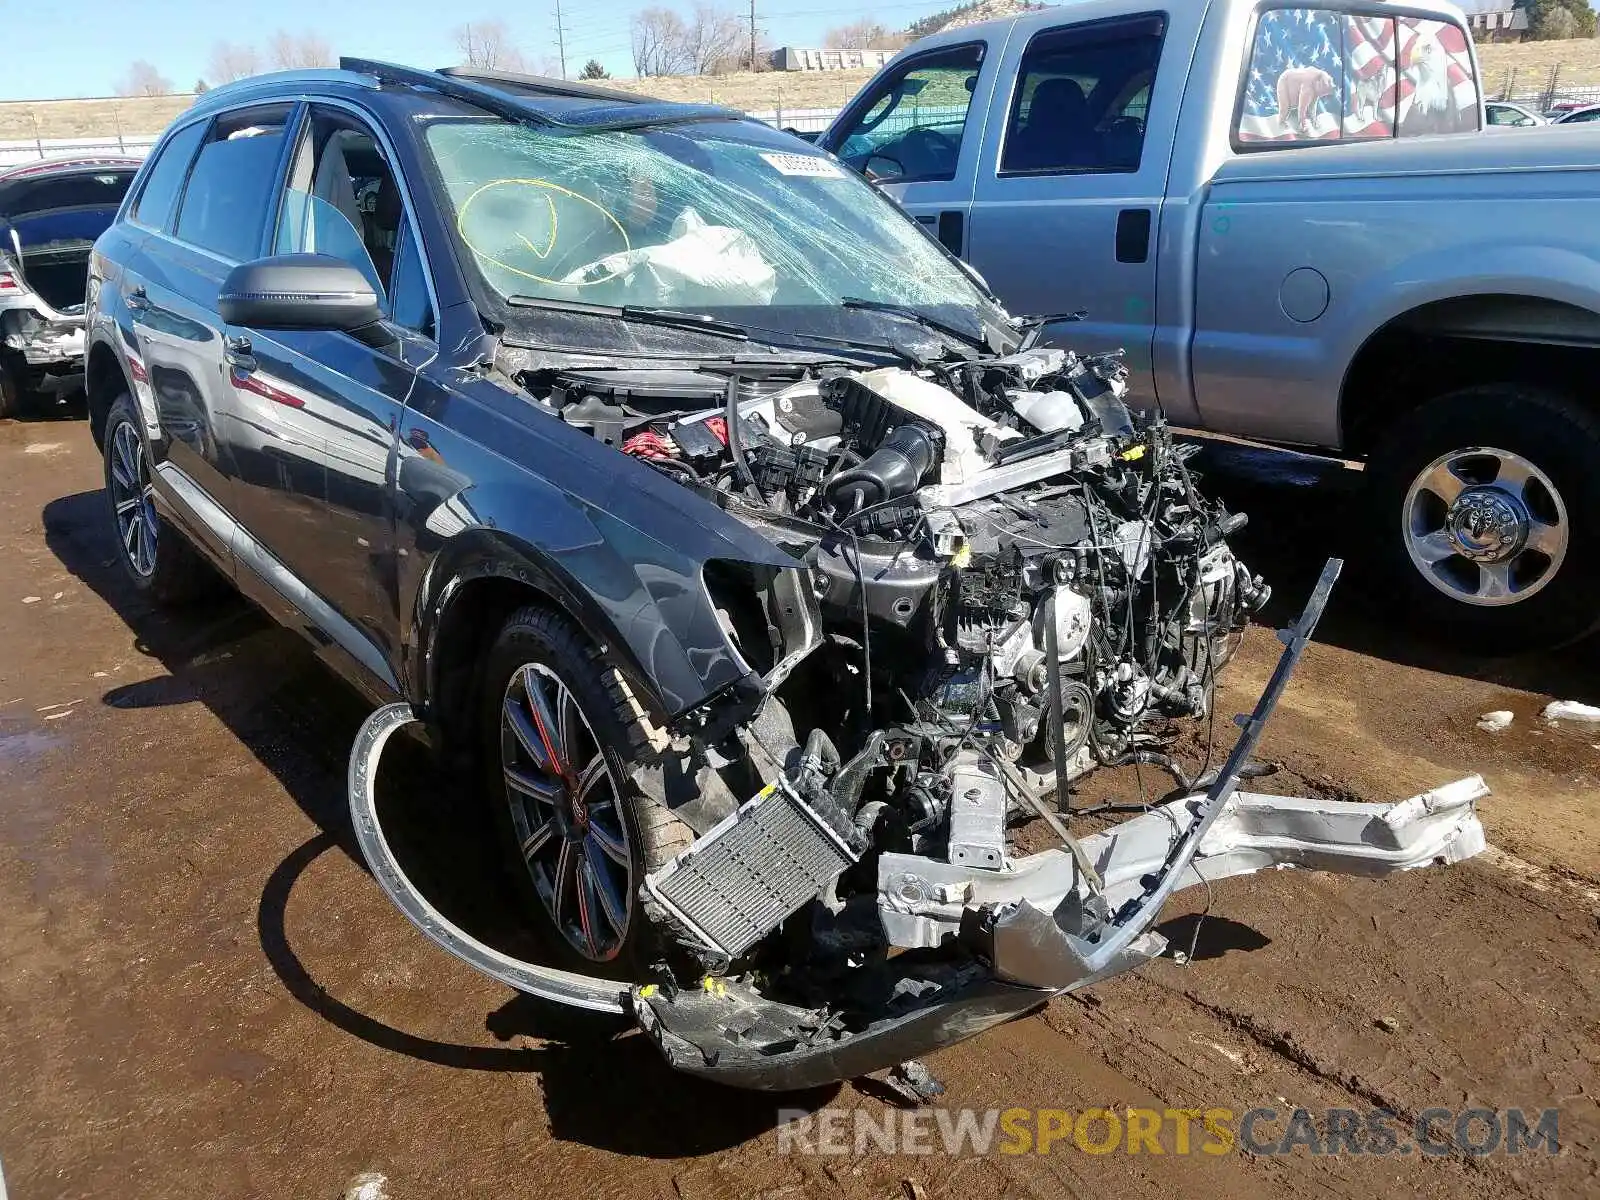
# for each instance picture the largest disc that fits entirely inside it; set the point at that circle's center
(930, 145)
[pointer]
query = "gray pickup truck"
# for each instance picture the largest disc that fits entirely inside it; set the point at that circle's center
(1254, 199)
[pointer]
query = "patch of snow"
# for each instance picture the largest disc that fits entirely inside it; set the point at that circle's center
(369, 1185)
(43, 448)
(1571, 710)
(32, 599)
(1493, 722)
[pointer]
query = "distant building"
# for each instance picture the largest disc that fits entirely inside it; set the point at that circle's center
(796, 58)
(1495, 20)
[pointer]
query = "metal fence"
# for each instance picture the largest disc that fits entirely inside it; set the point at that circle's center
(33, 149)
(1540, 90)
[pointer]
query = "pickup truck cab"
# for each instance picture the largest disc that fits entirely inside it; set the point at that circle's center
(1255, 199)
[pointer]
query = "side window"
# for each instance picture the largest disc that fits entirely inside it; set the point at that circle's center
(1317, 75)
(913, 123)
(343, 200)
(1438, 91)
(410, 306)
(232, 183)
(165, 180)
(1081, 98)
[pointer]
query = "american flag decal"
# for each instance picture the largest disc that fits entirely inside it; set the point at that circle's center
(1323, 76)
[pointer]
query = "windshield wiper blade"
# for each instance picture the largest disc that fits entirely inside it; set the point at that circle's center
(921, 318)
(669, 317)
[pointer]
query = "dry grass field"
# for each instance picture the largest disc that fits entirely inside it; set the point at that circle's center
(755, 91)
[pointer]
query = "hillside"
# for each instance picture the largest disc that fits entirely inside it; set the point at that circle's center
(752, 91)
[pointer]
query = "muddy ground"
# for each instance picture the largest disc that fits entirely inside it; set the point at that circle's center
(202, 993)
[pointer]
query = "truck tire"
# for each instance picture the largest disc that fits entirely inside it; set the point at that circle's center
(156, 559)
(577, 835)
(1486, 504)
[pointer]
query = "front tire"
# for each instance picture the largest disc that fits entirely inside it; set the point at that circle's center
(1486, 504)
(154, 556)
(578, 837)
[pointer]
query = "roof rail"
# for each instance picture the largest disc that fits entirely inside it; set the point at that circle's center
(276, 79)
(545, 84)
(507, 95)
(486, 98)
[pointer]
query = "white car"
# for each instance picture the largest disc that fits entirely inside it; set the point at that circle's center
(1502, 114)
(1579, 115)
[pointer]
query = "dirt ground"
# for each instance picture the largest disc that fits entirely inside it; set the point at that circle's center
(202, 993)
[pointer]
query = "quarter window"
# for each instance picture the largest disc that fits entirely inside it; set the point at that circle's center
(225, 202)
(912, 127)
(165, 180)
(1081, 99)
(411, 308)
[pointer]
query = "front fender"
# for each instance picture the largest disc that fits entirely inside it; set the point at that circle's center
(640, 597)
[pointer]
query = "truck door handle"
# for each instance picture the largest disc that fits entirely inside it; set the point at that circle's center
(1133, 235)
(137, 300)
(952, 230)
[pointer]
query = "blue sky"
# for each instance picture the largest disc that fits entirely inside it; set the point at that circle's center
(82, 47)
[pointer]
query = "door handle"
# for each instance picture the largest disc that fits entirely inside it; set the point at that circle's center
(137, 300)
(952, 230)
(1133, 235)
(239, 354)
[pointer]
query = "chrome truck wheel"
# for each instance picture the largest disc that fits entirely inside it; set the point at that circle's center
(565, 806)
(1485, 526)
(1485, 519)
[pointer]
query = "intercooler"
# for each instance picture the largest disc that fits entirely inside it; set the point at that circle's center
(736, 884)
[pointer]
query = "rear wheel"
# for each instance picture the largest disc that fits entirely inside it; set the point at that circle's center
(1487, 503)
(578, 836)
(154, 556)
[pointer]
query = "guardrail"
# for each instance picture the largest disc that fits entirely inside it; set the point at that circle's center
(33, 149)
(805, 120)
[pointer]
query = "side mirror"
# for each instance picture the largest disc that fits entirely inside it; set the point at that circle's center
(304, 292)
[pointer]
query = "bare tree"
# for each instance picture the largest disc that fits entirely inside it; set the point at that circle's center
(717, 41)
(143, 79)
(488, 44)
(289, 51)
(660, 42)
(865, 34)
(230, 61)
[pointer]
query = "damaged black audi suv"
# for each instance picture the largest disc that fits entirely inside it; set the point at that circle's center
(761, 570)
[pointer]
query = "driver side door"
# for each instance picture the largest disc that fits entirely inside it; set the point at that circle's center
(916, 132)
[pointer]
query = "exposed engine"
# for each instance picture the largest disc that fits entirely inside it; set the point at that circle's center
(1012, 573)
(1002, 579)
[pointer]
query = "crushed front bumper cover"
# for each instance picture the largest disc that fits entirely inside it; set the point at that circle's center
(980, 946)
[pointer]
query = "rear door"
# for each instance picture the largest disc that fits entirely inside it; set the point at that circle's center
(916, 130)
(213, 446)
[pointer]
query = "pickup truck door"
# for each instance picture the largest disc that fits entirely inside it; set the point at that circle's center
(1071, 178)
(916, 130)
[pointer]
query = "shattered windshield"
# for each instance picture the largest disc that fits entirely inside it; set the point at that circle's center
(717, 216)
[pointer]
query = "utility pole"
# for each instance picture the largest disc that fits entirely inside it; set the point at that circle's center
(561, 40)
(752, 64)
